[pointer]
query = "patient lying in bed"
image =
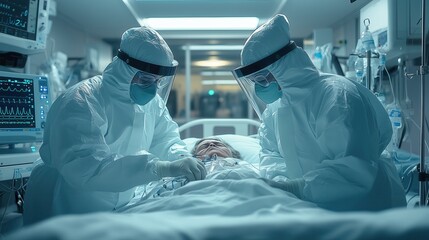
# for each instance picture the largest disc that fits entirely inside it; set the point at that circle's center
(222, 161)
(232, 185)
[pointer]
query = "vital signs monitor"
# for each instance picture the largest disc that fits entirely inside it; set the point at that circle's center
(24, 25)
(24, 104)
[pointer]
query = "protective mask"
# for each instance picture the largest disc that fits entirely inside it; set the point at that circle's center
(142, 95)
(268, 94)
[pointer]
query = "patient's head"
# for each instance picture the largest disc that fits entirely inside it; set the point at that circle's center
(209, 146)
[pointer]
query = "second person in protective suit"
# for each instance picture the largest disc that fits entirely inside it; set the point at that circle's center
(321, 135)
(108, 134)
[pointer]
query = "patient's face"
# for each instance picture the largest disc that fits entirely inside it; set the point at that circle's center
(210, 147)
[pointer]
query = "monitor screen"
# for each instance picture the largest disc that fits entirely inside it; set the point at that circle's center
(24, 104)
(23, 25)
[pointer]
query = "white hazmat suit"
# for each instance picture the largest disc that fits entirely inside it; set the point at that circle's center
(99, 145)
(323, 139)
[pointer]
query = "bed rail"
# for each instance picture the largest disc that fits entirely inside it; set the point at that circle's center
(241, 126)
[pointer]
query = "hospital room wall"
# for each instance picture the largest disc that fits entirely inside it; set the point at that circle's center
(343, 35)
(72, 40)
(346, 34)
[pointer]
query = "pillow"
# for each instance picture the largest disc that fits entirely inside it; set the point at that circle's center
(247, 146)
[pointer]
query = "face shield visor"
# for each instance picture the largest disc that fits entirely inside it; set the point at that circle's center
(150, 80)
(257, 76)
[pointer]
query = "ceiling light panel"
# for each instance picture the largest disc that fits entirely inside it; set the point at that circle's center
(142, 9)
(201, 23)
(212, 63)
(219, 82)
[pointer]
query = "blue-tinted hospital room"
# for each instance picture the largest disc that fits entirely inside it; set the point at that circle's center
(226, 119)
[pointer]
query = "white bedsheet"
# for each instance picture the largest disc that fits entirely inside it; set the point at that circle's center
(231, 209)
(220, 197)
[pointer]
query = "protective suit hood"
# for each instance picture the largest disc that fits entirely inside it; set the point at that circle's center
(118, 85)
(295, 73)
(291, 68)
(141, 43)
(275, 31)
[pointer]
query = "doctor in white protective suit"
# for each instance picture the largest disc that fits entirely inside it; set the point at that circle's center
(322, 135)
(108, 134)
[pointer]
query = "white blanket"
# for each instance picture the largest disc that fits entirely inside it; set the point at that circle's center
(230, 209)
(220, 197)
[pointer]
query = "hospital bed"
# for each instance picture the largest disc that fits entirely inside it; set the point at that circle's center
(231, 209)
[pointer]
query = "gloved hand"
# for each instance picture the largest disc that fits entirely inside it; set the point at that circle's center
(295, 186)
(191, 168)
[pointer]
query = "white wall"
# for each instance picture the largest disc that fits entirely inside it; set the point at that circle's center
(322, 36)
(69, 39)
(346, 35)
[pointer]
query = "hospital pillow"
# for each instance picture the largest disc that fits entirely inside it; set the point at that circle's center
(247, 146)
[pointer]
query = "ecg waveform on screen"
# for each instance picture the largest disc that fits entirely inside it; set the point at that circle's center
(16, 103)
(12, 89)
(16, 100)
(15, 113)
(16, 116)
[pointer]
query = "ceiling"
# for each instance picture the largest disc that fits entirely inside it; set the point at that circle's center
(108, 19)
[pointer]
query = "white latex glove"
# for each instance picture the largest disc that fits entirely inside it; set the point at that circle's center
(191, 168)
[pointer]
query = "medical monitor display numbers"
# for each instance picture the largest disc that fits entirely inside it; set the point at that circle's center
(24, 25)
(19, 18)
(24, 104)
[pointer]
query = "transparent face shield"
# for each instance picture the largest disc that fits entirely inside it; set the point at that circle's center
(163, 84)
(152, 75)
(247, 84)
(256, 73)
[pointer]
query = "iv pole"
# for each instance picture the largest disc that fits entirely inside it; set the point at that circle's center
(423, 176)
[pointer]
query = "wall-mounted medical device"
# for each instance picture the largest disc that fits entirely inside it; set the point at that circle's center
(396, 27)
(23, 25)
(24, 105)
